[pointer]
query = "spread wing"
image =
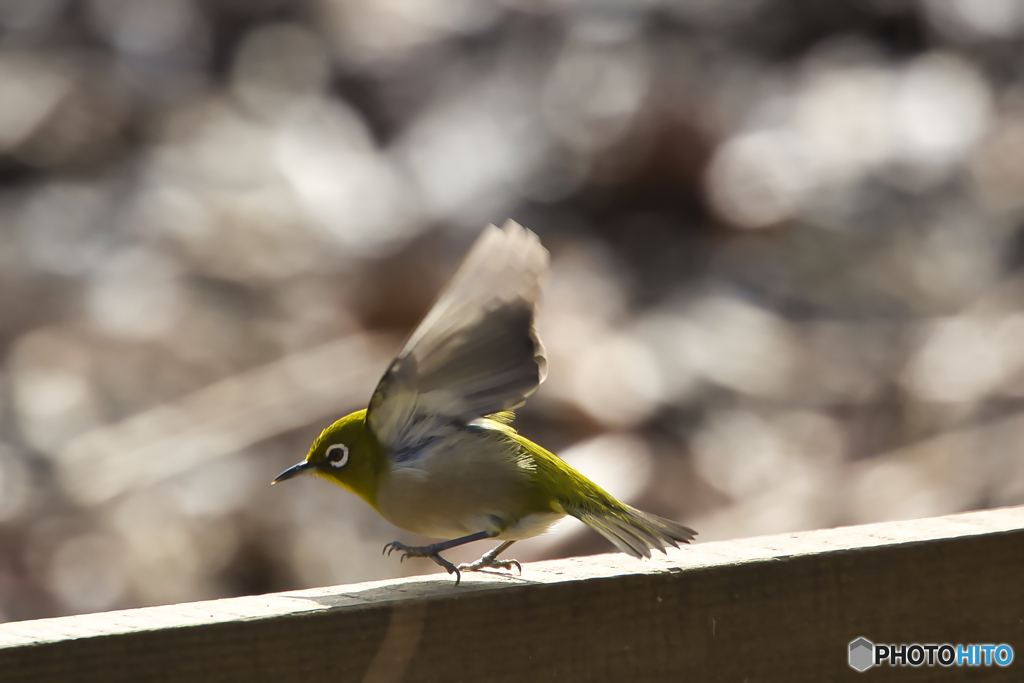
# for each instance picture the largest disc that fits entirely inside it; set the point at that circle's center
(476, 352)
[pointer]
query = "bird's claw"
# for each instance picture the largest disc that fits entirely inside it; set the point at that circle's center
(423, 551)
(491, 563)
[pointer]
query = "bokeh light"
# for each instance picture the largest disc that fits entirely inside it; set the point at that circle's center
(786, 285)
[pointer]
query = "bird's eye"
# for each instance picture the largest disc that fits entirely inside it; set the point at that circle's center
(337, 455)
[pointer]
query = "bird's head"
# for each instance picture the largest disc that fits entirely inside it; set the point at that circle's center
(347, 454)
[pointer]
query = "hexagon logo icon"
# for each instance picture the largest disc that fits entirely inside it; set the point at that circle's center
(862, 654)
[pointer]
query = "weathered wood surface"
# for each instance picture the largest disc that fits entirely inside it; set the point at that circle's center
(777, 608)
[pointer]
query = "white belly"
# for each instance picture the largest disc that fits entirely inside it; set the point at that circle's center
(530, 526)
(463, 485)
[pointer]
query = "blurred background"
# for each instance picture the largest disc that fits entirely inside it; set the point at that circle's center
(787, 265)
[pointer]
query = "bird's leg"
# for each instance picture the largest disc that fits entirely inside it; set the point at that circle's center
(433, 549)
(490, 560)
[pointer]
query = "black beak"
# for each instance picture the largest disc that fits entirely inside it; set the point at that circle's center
(294, 471)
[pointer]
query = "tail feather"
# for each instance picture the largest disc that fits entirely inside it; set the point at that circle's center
(633, 531)
(647, 539)
(621, 537)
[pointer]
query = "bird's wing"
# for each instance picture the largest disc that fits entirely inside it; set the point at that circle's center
(476, 352)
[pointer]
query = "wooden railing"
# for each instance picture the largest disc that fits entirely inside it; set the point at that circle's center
(776, 608)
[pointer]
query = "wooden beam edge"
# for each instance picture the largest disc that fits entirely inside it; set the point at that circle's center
(705, 556)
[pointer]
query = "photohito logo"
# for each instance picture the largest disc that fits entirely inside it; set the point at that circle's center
(864, 654)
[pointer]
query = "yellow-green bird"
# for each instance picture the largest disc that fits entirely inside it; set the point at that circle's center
(434, 453)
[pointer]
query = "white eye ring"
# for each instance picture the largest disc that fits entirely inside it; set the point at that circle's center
(335, 459)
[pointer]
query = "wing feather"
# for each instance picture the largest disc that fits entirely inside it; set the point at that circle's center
(476, 352)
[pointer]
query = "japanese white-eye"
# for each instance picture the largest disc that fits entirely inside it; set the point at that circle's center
(434, 453)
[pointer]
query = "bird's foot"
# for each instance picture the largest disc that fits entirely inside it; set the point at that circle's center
(490, 561)
(430, 551)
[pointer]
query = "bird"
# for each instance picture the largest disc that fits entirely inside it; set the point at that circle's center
(435, 452)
